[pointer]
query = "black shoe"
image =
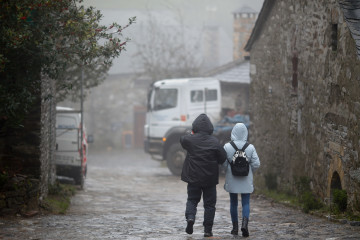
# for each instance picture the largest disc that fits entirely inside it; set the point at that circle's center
(244, 227)
(235, 230)
(189, 228)
(208, 234)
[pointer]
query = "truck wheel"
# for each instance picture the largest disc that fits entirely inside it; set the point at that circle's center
(175, 158)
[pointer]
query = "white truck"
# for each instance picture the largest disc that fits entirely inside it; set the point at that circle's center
(70, 161)
(173, 104)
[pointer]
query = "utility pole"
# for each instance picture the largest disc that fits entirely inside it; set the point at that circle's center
(82, 117)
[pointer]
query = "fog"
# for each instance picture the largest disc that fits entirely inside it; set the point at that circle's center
(187, 21)
(170, 39)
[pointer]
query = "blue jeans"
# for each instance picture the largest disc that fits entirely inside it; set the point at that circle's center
(245, 203)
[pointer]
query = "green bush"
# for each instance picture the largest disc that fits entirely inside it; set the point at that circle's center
(310, 202)
(340, 199)
(58, 200)
(306, 198)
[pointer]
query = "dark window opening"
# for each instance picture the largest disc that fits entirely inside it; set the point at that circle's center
(336, 181)
(295, 62)
(334, 37)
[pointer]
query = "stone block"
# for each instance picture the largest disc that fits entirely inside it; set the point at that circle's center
(15, 202)
(336, 148)
(16, 193)
(355, 223)
(355, 175)
(7, 211)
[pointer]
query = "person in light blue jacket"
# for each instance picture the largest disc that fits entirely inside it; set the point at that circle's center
(243, 185)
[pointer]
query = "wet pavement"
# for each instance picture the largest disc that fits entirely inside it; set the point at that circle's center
(129, 196)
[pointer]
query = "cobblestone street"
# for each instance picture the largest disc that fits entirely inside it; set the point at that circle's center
(129, 196)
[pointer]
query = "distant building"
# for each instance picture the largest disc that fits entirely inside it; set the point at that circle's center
(235, 75)
(115, 112)
(244, 21)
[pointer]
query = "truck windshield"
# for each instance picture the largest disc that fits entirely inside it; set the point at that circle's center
(165, 98)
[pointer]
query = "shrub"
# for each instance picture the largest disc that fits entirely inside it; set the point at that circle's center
(310, 202)
(58, 200)
(340, 199)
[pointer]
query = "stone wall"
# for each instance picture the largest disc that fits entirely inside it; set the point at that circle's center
(48, 136)
(26, 158)
(304, 96)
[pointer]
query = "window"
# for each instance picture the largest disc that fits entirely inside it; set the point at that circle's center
(165, 98)
(211, 95)
(196, 96)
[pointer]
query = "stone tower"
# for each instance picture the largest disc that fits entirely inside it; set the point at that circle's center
(244, 21)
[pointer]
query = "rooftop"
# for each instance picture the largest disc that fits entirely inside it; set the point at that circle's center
(234, 72)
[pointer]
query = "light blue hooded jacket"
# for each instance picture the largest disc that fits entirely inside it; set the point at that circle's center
(236, 184)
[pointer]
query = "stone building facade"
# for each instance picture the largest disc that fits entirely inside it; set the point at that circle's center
(26, 156)
(304, 94)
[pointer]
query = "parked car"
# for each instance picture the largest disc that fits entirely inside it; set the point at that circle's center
(69, 143)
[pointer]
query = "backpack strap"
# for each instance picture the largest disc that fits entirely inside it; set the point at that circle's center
(245, 146)
(234, 145)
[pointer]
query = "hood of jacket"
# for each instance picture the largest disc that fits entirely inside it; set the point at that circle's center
(239, 132)
(202, 124)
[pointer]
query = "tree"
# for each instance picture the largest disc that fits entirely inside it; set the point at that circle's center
(54, 38)
(170, 54)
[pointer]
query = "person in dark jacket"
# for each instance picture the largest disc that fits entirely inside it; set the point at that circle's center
(201, 171)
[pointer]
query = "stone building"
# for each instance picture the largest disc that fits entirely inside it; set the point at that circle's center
(27, 156)
(304, 94)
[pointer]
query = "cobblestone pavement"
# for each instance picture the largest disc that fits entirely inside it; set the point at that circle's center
(129, 196)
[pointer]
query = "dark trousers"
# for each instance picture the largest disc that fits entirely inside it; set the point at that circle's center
(209, 199)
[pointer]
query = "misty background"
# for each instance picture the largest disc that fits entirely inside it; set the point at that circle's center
(184, 22)
(170, 39)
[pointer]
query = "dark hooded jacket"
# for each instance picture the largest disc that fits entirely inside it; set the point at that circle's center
(204, 153)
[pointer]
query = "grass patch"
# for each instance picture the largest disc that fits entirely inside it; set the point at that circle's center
(303, 198)
(280, 197)
(58, 199)
(306, 202)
